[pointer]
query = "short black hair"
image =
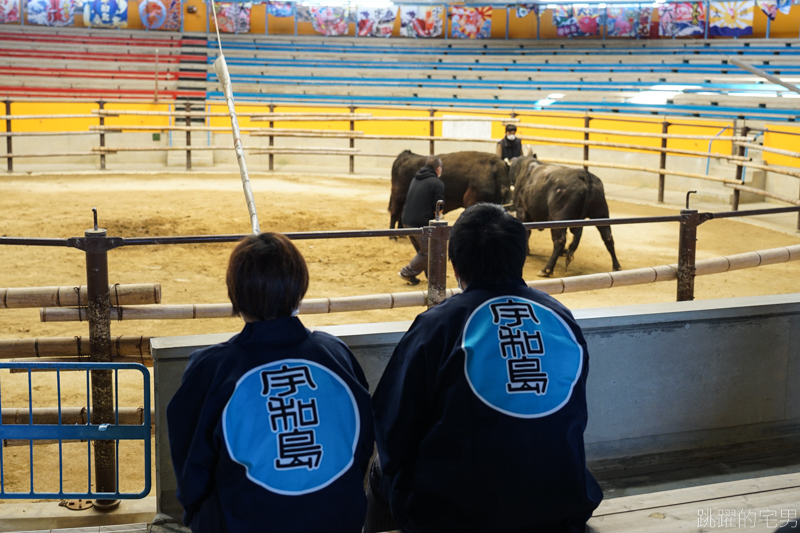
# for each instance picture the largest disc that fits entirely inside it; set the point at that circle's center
(434, 162)
(488, 244)
(510, 127)
(267, 277)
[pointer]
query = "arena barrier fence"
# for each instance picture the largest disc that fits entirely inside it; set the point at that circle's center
(745, 140)
(102, 424)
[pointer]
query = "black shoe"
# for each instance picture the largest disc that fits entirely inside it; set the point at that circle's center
(412, 280)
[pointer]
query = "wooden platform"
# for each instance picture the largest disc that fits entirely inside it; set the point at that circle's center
(759, 504)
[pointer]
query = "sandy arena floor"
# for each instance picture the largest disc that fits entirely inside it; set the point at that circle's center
(197, 204)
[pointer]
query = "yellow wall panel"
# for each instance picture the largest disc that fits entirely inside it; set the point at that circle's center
(132, 120)
(392, 127)
(786, 25)
(281, 25)
(522, 28)
(528, 122)
(53, 108)
(196, 21)
(498, 23)
(784, 138)
(684, 128)
(653, 126)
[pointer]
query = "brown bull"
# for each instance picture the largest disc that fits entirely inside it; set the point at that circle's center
(550, 192)
(469, 178)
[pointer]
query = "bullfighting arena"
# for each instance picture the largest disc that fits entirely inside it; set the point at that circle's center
(152, 204)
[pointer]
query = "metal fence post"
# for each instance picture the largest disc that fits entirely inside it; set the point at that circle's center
(740, 151)
(271, 138)
(438, 235)
(431, 132)
(101, 105)
(687, 249)
(586, 120)
(352, 139)
(662, 165)
(8, 138)
(99, 314)
(188, 109)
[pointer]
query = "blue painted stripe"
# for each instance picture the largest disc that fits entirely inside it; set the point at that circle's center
(484, 84)
(716, 112)
(527, 67)
(487, 50)
(76, 432)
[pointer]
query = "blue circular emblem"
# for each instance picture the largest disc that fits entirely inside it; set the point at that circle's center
(521, 358)
(294, 426)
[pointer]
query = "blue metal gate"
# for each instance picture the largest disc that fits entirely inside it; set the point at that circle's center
(81, 432)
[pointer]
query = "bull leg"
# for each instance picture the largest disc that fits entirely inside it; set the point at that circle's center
(573, 246)
(559, 241)
(471, 197)
(605, 233)
(528, 241)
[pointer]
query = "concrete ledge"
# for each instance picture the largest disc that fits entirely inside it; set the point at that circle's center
(49, 515)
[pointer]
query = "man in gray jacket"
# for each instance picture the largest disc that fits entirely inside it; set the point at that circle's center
(425, 191)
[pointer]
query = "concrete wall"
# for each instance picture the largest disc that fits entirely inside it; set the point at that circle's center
(664, 378)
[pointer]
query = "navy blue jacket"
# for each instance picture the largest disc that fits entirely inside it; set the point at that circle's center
(272, 431)
(480, 414)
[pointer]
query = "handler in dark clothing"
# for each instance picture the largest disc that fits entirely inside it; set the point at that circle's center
(272, 430)
(426, 189)
(510, 147)
(480, 413)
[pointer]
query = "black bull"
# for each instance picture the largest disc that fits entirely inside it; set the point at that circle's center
(469, 178)
(550, 192)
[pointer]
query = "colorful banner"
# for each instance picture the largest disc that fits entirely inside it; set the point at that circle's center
(233, 17)
(731, 19)
(9, 11)
(155, 15)
(303, 13)
(471, 22)
(105, 13)
(622, 21)
(589, 20)
(421, 21)
(564, 20)
(523, 10)
(51, 12)
(645, 19)
(330, 21)
(685, 19)
(580, 22)
(376, 22)
(280, 9)
(771, 8)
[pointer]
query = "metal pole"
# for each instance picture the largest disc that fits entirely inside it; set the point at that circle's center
(740, 151)
(508, 19)
(586, 120)
(352, 142)
(687, 248)
(708, 19)
(662, 162)
(266, 19)
(99, 313)
(294, 13)
(438, 233)
(538, 18)
(446, 17)
(769, 23)
(188, 110)
(8, 139)
(432, 148)
(271, 138)
(102, 138)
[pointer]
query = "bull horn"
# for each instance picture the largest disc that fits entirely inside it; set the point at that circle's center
(528, 150)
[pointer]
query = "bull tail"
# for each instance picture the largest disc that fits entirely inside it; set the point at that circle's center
(587, 179)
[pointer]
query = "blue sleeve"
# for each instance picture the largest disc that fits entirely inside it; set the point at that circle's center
(192, 416)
